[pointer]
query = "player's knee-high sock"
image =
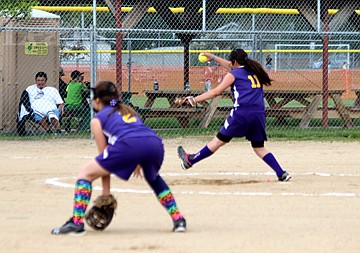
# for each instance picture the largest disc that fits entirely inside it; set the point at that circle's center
(202, 154)
(165, 197)
(81, 200)
(271, 161)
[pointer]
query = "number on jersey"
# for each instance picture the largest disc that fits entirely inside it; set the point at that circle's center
(254, 81)
(128, 118)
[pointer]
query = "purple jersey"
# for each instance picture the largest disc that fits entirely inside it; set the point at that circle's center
(131, 143)
(247, 90)
(119, 127)
(247, 117)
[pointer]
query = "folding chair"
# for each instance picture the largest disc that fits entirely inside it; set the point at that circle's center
(26, 124)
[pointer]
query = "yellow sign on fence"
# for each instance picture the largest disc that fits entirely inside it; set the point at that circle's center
(36, 48)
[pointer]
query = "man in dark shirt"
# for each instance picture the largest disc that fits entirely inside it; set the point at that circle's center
(62, 84)
(268, 63)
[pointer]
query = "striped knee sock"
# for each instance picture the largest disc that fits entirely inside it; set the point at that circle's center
(81, 200)
(166, 198)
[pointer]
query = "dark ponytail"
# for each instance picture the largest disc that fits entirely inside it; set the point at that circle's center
(107, 92)
(259, 71)
(242, 58)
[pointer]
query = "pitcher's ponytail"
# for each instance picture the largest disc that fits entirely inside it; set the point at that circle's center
(242, 58)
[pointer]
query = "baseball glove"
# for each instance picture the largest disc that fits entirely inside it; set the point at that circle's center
(185, 101)
(101, 214)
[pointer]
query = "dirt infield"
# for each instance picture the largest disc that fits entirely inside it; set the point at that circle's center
(227, 201)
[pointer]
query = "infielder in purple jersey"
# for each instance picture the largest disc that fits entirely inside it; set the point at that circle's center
(247, 117)
(125, 146)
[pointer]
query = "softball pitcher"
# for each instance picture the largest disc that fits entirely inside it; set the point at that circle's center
(247, 117)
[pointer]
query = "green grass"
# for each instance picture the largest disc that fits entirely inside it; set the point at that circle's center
(170, 128)
(334, 131)
(315, 134)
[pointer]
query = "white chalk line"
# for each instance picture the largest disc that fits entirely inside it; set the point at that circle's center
(45, 157)
(56, 182)
(194, 174)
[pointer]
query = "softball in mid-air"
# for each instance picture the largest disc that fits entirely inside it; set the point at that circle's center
(202, 58)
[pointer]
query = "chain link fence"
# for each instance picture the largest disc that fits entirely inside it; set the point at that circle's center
(150, 50)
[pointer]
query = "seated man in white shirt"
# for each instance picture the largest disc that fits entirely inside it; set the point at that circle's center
(45, 102)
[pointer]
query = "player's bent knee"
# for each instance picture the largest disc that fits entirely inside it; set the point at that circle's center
(257, 144)
(223, 138)
(91, 171)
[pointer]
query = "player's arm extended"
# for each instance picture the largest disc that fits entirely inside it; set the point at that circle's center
(228, 80)
(101, 144)
(105, 182)
(222, 62)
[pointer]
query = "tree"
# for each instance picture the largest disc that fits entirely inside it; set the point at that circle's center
(16, 9)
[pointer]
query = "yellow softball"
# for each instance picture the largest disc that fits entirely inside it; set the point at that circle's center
(202, 58)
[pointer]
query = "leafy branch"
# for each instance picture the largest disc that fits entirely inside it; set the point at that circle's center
(16, 9)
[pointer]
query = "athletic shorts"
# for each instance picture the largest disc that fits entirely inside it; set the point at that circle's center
(122, 158)
(51, 114)
(244, 122)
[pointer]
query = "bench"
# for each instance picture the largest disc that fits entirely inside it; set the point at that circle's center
(354, 112)
(182, 114)
(277, 100)
(279, 113)
(126, 97)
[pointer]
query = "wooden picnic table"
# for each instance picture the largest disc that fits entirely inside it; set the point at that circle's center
(357, 100)
(278, 106)
(182, 114)
(310, 101)
(126, 96)
(170, 95)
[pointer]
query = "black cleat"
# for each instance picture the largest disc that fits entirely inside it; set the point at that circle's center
(69, 228)
(180, 225)
(184, 158)
(285, 177)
